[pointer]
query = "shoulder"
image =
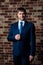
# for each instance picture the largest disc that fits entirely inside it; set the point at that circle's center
(13, 24)
(30, 24)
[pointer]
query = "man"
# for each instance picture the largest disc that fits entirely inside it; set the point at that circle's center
(22, 33)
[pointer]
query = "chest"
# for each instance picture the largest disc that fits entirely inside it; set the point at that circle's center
(25, 30)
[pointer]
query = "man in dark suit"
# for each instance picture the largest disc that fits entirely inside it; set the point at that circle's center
(22, 33)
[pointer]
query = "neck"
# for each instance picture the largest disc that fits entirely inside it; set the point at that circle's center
(22, 20)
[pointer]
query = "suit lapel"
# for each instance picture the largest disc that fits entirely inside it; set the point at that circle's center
(24, 26)
(16, 30)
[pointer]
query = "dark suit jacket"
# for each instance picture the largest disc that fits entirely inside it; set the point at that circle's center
(26, 45)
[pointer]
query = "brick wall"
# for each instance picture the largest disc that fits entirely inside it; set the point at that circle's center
(8, 13)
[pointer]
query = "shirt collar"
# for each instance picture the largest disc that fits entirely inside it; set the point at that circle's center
(21, 21)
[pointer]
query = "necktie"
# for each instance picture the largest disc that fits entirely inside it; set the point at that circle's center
(20, 27)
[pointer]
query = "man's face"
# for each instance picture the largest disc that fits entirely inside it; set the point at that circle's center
(21, 15)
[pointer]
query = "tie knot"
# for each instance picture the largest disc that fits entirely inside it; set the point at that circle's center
(21, 22)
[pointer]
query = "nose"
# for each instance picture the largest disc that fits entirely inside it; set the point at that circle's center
(22, 15)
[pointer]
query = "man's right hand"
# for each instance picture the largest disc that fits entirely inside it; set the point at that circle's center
(17, 37)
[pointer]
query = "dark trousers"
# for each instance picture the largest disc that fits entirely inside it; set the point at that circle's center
(21, 60)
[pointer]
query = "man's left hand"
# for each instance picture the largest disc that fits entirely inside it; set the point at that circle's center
(30, 58)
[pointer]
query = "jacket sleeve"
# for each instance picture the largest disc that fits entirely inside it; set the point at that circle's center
(10, 36)
(32, 40)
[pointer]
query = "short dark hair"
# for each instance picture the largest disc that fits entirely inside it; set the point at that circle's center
(21, 9)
